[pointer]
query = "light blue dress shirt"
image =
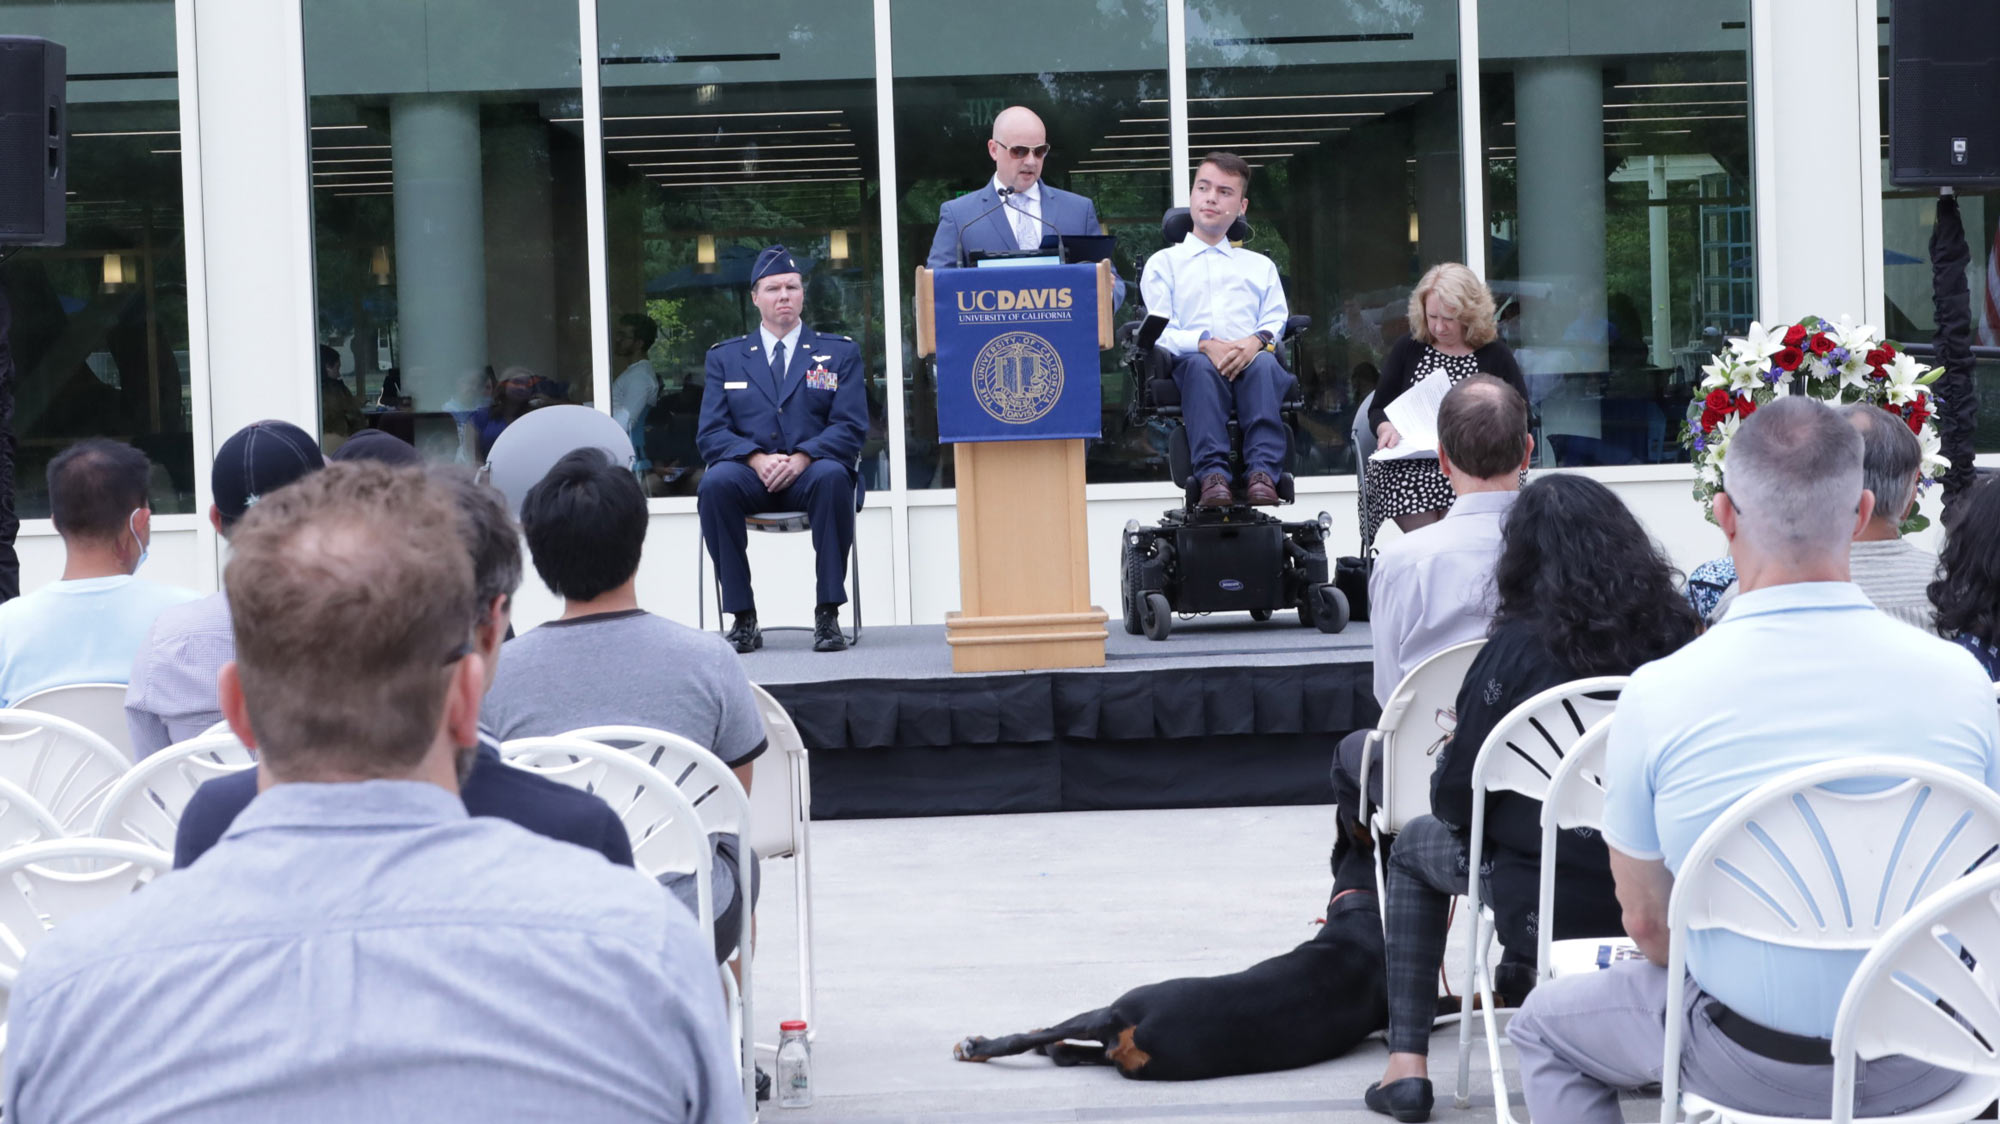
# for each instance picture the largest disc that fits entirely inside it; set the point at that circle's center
(1223, 292)
(1793, 675)
(83, 631)
(172, 694)
(367, 952)
(1433, 587)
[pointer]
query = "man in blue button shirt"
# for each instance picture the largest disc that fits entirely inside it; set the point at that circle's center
(357, 947)
(1802, 670)
(1224, 307)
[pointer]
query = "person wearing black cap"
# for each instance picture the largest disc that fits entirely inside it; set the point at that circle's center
(171, 694)
(783, 415)
(379, 446)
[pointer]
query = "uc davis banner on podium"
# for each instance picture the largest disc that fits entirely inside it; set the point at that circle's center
(1017, 353)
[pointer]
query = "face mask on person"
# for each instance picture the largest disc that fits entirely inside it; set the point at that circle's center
(132, 525)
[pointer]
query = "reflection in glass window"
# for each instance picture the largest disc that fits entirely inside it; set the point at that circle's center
(1348, 116)
(1907, 217)
(721, 137)
(1095, 75)
(448, 222)
(100, 326)
(1621, 243)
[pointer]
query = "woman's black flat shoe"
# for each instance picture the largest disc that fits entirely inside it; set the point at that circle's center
(1408, 1100)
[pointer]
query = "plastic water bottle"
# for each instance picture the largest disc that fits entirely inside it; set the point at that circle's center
(794, 1065)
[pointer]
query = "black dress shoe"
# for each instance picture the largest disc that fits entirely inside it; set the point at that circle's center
(1408, 1100)
(827, 636)
(744, 636)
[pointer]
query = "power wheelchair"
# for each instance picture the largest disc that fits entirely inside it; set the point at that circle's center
(1224, 559)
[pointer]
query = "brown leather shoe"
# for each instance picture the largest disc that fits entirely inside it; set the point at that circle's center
(1262, 490)
(1215, 491)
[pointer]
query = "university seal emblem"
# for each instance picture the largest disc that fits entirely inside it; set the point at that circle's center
(1017, 378)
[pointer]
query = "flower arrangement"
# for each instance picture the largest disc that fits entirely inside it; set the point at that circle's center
(1836, 363)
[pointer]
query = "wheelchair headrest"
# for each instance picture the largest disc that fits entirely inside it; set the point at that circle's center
(1177, 223)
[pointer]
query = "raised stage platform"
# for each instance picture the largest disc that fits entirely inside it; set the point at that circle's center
(1227, 711)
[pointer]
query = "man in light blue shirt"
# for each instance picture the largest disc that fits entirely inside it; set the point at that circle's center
(1800, 671)
(356, 947)
(87, 627)
(1224, 307)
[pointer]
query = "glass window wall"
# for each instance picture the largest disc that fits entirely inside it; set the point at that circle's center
(100, 324)
(1621, 243)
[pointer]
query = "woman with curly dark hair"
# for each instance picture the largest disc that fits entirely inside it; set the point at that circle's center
(1967, 591)
(1580, 590)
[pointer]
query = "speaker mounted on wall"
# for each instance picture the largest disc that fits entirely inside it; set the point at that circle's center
(34, 141)
(1944, 94)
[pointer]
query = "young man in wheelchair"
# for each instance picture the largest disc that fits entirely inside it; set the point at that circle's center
(1225, 308)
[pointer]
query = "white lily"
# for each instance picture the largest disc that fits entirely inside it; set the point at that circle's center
(1933, 449)
(1761, 343)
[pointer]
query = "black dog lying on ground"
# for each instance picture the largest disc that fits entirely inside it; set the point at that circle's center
(1305, 1006)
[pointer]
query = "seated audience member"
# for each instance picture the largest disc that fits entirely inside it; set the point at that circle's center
(492, 787)
(357, 947)
(87, 626)
(607, 662)
(1795, 674)
(1893, 572)
(382, 447)
(171, 696)
(1582, 591)
(1225, 306)
(1967, 590)
(1432, 588)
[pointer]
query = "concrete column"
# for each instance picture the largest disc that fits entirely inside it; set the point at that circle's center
(1440, 212)
(520, 247)
(1559, 110)
(1656, 251)
(440, 242)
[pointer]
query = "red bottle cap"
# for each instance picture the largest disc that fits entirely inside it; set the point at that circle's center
(792, 1024)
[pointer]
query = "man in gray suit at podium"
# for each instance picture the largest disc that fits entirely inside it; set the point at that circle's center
(1014, 210)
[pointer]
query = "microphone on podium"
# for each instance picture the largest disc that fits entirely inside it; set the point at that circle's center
(1005, 193)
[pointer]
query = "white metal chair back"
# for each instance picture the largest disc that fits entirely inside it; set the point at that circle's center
(1521, 754)
(66, 768)
(1892, 1004)
(1575, 799)
(146, 805)
(45, 884)
(23, 820)
(666, 831)
(719, 799)
(778, 831)
(97, 707)
(1408, 733)
(1800, 864)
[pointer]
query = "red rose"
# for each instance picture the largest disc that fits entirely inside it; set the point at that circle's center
(1917, 424)
(1820, 344)
(1788, 359)
(1718, 399)
(1795, 335)
(1880, 356)
(1745, 407)
(1893, 408)
(1709, 418)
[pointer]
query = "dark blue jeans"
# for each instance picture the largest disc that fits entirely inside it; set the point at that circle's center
(1255, 394)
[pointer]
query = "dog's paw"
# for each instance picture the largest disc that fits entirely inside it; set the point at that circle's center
(970, 1050)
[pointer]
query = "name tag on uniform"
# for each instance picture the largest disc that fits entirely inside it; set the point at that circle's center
(736, 386)
(819, 378)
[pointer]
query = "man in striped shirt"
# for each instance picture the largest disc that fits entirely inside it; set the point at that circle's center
(1894, 573)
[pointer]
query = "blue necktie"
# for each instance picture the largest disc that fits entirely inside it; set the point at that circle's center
(778, 368)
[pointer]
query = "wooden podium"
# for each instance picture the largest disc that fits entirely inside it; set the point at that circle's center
(1023, 554)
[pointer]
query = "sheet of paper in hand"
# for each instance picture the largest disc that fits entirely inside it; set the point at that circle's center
(1414, 413)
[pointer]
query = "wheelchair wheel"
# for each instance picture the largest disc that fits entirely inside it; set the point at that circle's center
(1328, 607)
(1260, 614)
(1129, 591)
(1159, 616)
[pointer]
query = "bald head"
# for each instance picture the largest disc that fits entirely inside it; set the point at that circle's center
(1019, 143)
(1483, 429)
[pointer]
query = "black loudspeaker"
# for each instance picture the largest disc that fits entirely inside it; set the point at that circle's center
(34, 131)
(1944, 79)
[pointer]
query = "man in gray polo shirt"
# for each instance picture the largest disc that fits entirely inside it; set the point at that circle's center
(607, 662)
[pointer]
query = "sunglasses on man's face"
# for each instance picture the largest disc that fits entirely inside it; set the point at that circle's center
(1022, 151)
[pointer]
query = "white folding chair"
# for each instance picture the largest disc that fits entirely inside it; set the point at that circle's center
(1575, 799)
(23, 820)
(723, 806)
(97, 707)
(666, 832)
(1798, 864)
(1407, 737)
(145, 806)
(1520, 755)
(66, 768)
(44, 884)
(781, 827)
(1891, 1005)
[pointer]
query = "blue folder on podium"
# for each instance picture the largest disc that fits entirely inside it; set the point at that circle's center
(1017, 353)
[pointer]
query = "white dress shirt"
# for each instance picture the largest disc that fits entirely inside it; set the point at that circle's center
(633, 393)
(791, 342)
(1029, 201)
(1433, 587)
(1221, 292)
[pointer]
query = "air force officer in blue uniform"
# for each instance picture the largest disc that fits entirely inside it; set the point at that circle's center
(1018, 147)
(783, 416)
